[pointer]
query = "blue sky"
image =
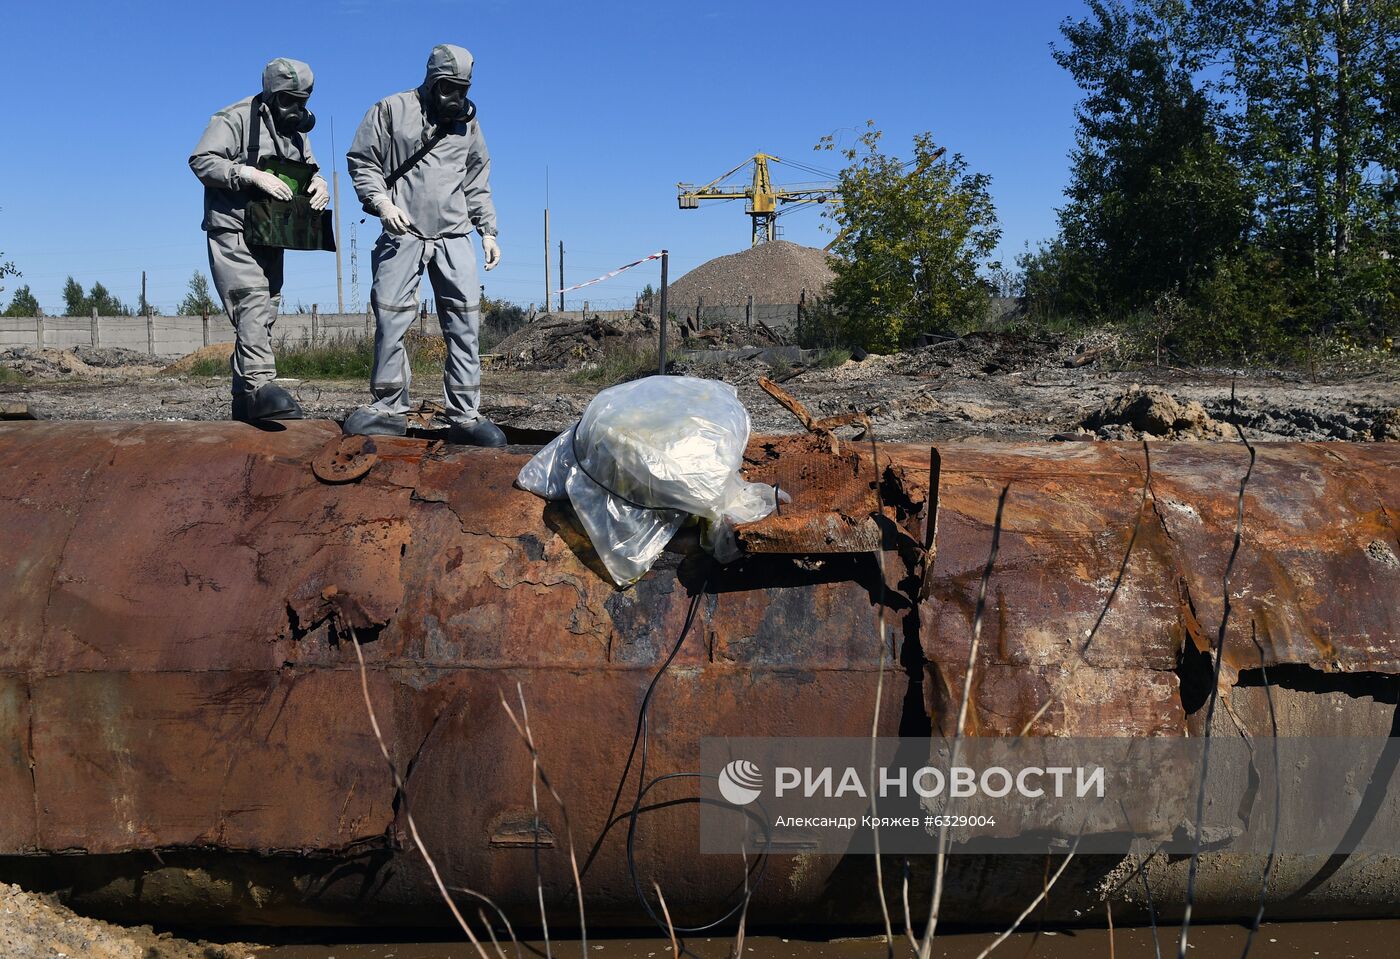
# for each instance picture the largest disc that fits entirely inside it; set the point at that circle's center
(620, 101)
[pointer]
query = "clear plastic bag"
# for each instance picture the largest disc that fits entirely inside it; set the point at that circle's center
(644, 457)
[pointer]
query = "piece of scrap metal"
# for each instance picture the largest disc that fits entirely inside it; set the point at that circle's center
(822, 427)
(345, 459)
(834, 504)
(428, 416)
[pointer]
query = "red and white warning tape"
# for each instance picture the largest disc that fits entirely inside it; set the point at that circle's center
(608, 276)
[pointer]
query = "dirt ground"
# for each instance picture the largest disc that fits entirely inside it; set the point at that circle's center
(37, 927)
(985, 385)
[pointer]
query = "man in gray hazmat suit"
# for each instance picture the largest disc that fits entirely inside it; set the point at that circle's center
(419, 163)
(273, 123)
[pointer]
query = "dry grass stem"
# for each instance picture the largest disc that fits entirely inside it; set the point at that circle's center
(1029, 909)
(510, 930)
(941, 862)
(1278, 799)
(743, 913)
(1108, 911)
(408, 814)
(522, 726)
(1219, 652)
(670, 926)
(879, 695)
(481, 914)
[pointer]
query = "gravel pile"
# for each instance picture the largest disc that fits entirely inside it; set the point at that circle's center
(551, 342)
(775, 272)
(219, 352)
(82, 362)
(51, 363)
(976, 355)
(111, 357)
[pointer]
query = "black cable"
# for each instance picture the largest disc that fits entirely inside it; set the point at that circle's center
(642, 737)
(755, 872)
(642, 723)
(809, 168)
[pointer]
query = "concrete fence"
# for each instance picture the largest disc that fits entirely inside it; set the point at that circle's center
(782, 317)
(699, 312)
(178, 335)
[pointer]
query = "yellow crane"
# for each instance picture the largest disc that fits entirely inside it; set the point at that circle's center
(764, 199)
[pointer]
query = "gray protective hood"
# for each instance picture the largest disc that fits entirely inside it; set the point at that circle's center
(290, 76)
(448, 60)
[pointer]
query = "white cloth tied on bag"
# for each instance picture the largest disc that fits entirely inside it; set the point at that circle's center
(644, 457)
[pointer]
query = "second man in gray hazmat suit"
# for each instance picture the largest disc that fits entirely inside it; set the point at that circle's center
(273, 123)
(420, 164)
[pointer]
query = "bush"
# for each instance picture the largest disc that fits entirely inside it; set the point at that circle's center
(621, 361)
(911, 240)
(822, 327)
(342, 358)
(499, 319)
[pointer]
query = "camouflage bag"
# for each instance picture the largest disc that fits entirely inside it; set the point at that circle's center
(289, 224)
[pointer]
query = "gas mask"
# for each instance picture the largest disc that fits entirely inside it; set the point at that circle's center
(448, 103)
(289, 113)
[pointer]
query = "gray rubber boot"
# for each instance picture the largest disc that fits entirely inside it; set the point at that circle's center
(367, 421)
(268, 402)
(481, 433)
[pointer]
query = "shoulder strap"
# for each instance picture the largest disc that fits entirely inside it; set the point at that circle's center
(402, 169)
(253, 134)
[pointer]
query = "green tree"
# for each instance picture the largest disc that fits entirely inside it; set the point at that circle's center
(1240, 156)
(503, 315)
(7, 268)
(1154, 198)
(197, 301)
(23, 303)
(1314, 87)
(74, 300)
(105, 303)
(911, 238)
(78, 303)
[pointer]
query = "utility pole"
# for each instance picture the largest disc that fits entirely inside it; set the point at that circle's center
(335, 196)
(561, 276)
(354, 269)
(661, 349)
(145, 305)
(547, 297)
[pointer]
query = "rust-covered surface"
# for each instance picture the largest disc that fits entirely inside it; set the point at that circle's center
(1316, 581)
(176, 601)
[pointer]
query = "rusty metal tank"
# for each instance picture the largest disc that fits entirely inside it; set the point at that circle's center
(180, 707)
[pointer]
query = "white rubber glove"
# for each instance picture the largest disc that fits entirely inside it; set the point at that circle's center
(320, 193)
(395, 220)
(491, 250)
(264, 181)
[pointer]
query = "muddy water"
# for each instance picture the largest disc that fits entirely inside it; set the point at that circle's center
(1331, 940)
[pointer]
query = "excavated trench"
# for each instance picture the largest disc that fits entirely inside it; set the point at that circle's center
(181, 709)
